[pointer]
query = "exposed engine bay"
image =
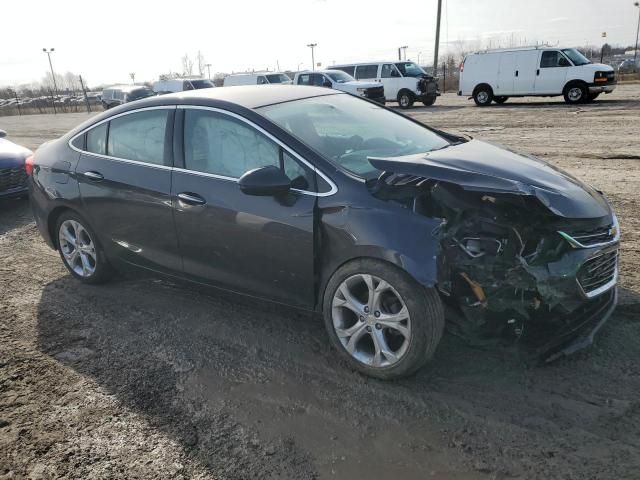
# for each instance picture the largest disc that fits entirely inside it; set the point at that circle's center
(508, 267)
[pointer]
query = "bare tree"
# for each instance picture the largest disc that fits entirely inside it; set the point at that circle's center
(201, 63)
(187, 65)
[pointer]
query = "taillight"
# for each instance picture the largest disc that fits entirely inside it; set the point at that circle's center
(28, 165)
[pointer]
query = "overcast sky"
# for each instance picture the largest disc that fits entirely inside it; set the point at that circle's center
(106, 40)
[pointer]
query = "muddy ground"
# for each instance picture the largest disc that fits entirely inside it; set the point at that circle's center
(142, 378)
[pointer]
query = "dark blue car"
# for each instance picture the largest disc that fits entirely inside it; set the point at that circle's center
(13, 176)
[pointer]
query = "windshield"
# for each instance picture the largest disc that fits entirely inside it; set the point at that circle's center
(347, 130)
(278, 78)
(340, 77)
(410, 69)
(198, 84)
(575, 56)
(139, 93)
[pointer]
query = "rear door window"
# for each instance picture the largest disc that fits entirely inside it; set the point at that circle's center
(366, 71)
(304, 79)
(350, 70)
(139, 136)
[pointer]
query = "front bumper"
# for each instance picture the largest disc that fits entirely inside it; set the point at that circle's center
(13, 181)
(601, 88)
(580, 328)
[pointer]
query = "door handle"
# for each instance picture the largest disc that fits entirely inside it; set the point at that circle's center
(538, 72)
(94, 176)
(516, 73)
(191, 199)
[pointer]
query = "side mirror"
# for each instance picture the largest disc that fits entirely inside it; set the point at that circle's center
(564, 62)
(394, 73)
(265, 181)
(3, 134)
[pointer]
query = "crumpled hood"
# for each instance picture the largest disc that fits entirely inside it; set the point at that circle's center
(481, 166)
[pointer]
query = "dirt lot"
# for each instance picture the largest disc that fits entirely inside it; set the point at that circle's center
(145, 379)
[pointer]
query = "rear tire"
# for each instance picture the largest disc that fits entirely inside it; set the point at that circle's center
(576, 93)
(399, 322)
(80, 250)
(500, 100)
(483, 95)
(405, 99)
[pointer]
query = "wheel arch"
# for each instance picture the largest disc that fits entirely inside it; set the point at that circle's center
(575, 81)
(52, 220)
(480, 85)
(407, 90)
(379, 235)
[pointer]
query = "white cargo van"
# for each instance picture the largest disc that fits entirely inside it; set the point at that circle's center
(258, 78)
(404, 82)
(496, 75)
(339, 80)
(181, 84)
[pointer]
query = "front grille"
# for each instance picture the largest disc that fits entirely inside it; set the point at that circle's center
(598, 272)
(594, 236)
(11, 178)
(375, 92)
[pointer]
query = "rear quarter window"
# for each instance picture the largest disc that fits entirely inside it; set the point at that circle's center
(97, 139)
(366, 71)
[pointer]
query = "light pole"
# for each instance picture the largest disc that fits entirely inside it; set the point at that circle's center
(635, 52)
(312, 46)
(133, 77)
(53, 76)
(419, 54)
(208, 65)
(404, 51)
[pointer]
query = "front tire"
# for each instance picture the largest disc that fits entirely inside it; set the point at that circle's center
(405, 99)
(576, 93)
(380, 320)
(428, 101)
(80, 250)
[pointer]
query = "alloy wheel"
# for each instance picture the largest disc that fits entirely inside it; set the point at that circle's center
(371, 320)
(483, 97)
(78, 248)
(575, 94)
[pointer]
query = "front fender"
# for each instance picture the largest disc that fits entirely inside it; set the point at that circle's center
(390, 233)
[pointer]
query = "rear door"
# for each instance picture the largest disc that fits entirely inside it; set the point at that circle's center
(551, 73)
(524, 83)
(259, 245)
(507, 73)
(124, 176)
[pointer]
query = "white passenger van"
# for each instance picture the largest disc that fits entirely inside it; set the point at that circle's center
(404, 82)
(339, 80)
(496, 75)
(258, 78)
(174, 85)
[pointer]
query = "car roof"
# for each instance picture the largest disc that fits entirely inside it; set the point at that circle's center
(378, 62)
(248, 96)
(125, 88)
(231, 98)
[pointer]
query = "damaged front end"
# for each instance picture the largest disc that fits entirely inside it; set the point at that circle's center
(511, 265)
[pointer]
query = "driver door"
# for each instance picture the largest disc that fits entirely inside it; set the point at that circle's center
(551, 73)
(391, 80)
(257, 245)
